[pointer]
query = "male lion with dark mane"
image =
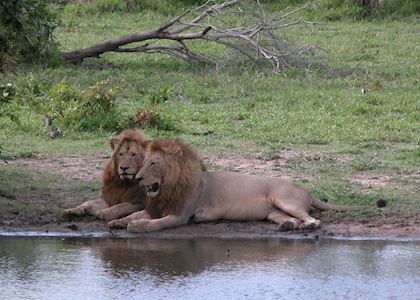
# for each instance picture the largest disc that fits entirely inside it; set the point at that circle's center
(121, 195)
(178, 189)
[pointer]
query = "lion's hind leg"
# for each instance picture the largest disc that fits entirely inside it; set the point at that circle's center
(285, 221)
(295, 208)
(89, 207)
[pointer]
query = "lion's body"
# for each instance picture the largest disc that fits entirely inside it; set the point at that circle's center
(179, 190)
(120, 193)
(239, 197)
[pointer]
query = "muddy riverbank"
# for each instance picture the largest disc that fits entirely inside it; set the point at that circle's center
(40, 211)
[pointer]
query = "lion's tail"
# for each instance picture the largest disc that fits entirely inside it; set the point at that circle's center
(318, 204)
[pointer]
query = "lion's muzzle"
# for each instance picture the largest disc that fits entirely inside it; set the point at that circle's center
(152, 190)
(126, 176)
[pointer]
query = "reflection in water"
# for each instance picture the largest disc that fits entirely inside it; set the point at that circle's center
(34, 268)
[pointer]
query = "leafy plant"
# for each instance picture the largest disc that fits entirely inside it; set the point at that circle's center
(7, 92)
(29, 91)
(148, 117)
(26, 31)
(98, 98)
(73, 108)
(153, 116)
(159, 96)
(65, 102)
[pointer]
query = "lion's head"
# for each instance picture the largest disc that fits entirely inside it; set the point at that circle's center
(127, 154)
(170, 170)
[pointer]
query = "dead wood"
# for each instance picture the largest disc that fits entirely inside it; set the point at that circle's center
(242, 26)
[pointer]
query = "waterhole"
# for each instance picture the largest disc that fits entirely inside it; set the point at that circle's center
(105, 268)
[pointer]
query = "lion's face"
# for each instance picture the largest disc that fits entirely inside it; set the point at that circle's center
(128, 158)
(152, 175)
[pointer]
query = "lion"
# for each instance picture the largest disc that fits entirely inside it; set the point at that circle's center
(120, 195)
(178, 189)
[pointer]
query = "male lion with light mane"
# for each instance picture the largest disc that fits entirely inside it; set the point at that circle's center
(178, 189)
(121, 195)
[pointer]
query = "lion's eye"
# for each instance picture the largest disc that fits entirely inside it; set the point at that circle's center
(133, 154)
(152, 164)
(120, 153)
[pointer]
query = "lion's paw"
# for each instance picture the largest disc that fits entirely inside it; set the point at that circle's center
(117, 224)
(104, 214)
(310, 224)
(77, 211)
(288, 226)
(138, 226)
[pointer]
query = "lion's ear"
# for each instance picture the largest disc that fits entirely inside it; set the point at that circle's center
(113, 143)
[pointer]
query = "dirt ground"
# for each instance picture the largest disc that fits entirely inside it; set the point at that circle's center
(390, 225)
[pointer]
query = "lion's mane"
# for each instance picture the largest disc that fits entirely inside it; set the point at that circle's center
(184, 168)
(113, 189)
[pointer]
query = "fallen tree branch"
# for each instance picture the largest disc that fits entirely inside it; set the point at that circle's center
(241, 26)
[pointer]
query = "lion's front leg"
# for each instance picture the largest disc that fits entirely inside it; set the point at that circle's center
(156, 224)
(117, 211)
(123, 222)
(89, 207)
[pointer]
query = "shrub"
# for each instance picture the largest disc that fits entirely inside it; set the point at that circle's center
(29, 92)
(83, 110)
(26, 32)
(64, 103)
(7, 92)
(156, 119)
(155, 116)
(71, 108)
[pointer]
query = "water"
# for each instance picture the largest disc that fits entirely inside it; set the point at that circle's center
(103, 268)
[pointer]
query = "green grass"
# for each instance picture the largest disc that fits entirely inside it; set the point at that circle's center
(249, 111)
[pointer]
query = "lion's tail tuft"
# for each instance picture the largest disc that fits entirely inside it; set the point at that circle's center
(318, 204)
(381, 203)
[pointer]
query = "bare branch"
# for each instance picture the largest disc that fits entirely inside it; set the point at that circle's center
(211, 10)
(172, 22)
(246, 29)
(292, 12)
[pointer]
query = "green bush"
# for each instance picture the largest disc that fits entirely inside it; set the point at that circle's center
(26, 32)
(64, 103)
(76, 110)
(83, 110)
(7, 92)
(154, 116)
(159, 96)
(29, 92)
(71, 108)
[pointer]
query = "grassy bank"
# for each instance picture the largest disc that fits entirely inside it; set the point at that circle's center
(353, 120)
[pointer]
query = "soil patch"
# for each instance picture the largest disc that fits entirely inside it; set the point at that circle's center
(86, 168)
(390, 225)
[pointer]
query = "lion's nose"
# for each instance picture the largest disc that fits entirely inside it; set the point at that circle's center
(124, 168)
